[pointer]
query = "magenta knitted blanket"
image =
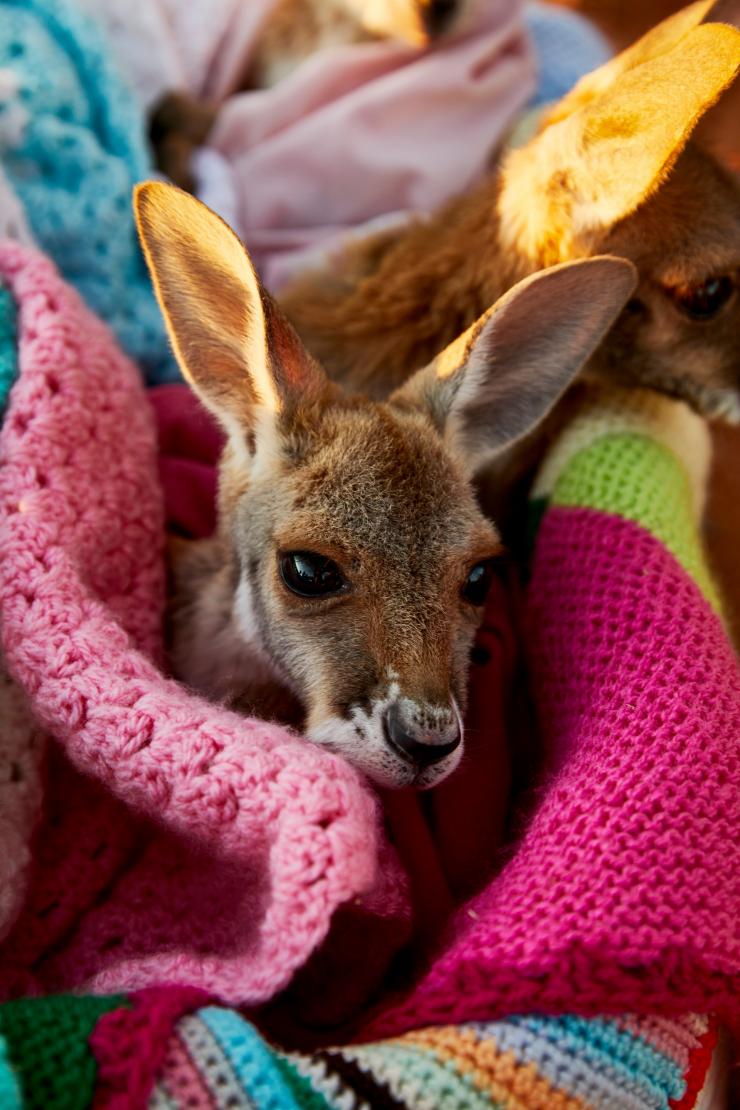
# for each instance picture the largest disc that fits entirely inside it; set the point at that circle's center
(183, 843)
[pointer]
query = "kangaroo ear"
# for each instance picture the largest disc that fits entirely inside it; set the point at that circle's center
(593, 167)
(501, 377)
(231, 341)
(658, 40)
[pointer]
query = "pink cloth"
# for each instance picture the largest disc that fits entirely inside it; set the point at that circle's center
(355, 134)
(364, 130)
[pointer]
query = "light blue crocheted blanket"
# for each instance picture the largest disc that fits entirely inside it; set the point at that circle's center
(72, 146)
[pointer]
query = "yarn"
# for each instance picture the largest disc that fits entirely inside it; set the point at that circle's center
(183, 843)
(47, 1047)
(72, 160)
(186, 1053)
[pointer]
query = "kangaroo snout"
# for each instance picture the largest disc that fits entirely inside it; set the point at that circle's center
(422, 735)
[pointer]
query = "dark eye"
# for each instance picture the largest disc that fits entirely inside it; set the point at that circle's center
(310, 575)
(478, 583)
(701, 302)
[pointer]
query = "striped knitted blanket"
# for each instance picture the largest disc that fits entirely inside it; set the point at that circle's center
(167, 1049)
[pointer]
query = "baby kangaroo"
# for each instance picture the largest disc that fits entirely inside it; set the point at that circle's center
(351, 561)
(612, 171)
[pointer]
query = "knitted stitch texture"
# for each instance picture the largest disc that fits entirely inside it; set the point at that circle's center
(624, 891)
(72, 155)
(21, 741)
(254, 837)
(166, 1048)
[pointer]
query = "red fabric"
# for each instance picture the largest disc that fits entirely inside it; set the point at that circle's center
(130, 1044)
(700, 1062)
(189, 446)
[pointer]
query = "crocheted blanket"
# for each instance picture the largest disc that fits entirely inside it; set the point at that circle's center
(181, 843)
(72, 147)
(168, 1049)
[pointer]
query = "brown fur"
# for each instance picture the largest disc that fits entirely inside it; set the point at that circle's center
(381, 488)
(606, 174)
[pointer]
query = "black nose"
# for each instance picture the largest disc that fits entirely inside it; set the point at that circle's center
(422, 748)
(438, 15)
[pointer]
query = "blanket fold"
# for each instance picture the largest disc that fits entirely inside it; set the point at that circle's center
(183, 843)
(624, 890)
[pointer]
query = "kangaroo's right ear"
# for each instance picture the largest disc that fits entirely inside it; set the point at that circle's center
(232, 343)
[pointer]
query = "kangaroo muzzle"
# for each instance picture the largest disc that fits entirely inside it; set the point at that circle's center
(421, 736)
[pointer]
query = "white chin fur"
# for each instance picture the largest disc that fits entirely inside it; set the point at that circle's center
(361, 741)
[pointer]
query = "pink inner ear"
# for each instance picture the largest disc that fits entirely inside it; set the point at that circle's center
(296, 375)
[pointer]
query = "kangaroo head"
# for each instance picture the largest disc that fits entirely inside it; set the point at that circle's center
(614, 170)
(358, 559)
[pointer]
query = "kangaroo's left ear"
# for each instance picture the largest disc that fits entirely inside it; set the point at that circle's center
(499, 380)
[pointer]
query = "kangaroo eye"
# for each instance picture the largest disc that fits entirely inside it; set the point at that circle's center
(702, 302)
(310, 575)
(478, 583)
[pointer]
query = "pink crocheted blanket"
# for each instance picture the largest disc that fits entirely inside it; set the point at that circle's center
(181, 843)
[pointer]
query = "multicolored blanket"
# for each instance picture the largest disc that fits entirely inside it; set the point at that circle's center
(170, 1050)
(620, 895)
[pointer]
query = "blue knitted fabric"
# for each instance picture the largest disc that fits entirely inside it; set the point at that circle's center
(567, 46)
(73, 161)
(8, 349)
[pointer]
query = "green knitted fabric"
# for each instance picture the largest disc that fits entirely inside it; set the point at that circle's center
(304, 1094)
(638, 479)
(47, 1045)
(8, 345)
